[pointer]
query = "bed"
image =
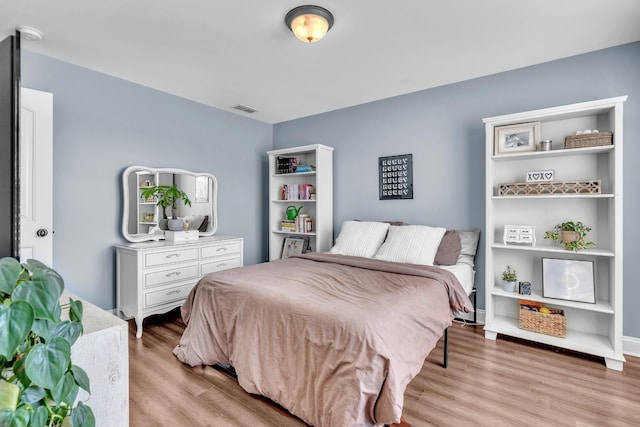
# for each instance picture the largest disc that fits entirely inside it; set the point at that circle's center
(334, 338)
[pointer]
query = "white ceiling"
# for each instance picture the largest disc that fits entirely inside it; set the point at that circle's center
(240, 52)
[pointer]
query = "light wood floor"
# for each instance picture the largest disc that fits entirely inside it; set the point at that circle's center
(487, 383)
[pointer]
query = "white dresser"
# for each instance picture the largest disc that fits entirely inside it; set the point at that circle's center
(155, 277)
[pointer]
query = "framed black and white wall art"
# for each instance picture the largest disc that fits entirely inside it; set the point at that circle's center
(396, 177)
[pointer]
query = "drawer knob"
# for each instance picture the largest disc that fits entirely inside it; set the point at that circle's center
(173, 255)
(223, 264)
(175, 291)
(177, 273)
(221, 249)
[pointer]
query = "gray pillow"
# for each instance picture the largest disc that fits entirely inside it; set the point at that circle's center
(468, 246)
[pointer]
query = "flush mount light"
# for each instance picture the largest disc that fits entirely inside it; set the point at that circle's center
(29, 33)
(309, 23)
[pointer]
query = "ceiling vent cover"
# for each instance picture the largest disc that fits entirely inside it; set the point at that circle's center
(245, 109)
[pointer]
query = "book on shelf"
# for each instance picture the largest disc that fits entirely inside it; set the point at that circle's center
(302, 224)
(286, 164)
(297, 191)
(288, 226)
(305, 169)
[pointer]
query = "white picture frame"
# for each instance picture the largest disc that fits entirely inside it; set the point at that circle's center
(292, 246)
(518, 138)
(568, 279)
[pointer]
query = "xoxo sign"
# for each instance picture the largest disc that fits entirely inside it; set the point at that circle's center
(539, 176)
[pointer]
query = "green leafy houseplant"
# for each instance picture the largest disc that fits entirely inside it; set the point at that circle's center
(571, 234)
(167, 196)
(38, 382)
(509, 274)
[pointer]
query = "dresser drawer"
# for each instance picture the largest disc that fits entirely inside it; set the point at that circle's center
(220, 250)
(169, 257)
(163, 277)
(167, 295)
(220, 264)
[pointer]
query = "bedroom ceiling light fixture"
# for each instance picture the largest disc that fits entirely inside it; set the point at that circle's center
(309, 23)
(29, 33)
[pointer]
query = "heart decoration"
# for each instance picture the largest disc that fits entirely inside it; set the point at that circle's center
(540, 176)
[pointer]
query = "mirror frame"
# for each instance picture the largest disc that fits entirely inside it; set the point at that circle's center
(151, 237)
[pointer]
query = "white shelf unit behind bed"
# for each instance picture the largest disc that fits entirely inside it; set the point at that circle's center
(590, 328)
(320, 209)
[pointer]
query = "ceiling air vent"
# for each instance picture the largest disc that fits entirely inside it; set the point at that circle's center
(245, 109)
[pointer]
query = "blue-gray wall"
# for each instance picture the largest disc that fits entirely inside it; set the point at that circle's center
(102, 125)
(443, 129)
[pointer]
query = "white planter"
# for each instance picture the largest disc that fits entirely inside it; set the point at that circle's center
(509, 286)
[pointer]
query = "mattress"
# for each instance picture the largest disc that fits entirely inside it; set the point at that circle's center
(464, 273)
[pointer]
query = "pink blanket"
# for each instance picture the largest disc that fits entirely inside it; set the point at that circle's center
(334, 339)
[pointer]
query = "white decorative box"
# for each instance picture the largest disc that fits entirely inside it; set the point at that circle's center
(182, 236)
(520, 234)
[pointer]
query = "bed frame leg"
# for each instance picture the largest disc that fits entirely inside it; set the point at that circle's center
(227, 369)
(475, 306)
(445, 363)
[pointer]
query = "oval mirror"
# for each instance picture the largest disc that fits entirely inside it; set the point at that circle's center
(141, 218)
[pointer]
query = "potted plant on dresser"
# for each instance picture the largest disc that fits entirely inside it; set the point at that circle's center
(38, 382)
(167, 196)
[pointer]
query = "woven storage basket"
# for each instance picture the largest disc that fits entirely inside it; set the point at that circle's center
(588, 140)
(553, 323)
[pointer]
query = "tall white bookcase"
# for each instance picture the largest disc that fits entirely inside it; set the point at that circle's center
(591, 328)
(320, 208)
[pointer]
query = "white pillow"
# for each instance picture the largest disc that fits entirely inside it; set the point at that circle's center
(360, 238)
(414, 244)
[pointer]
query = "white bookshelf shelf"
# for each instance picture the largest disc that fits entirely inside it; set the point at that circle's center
(599, 306)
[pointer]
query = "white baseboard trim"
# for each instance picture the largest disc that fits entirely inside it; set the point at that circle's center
(631, 346)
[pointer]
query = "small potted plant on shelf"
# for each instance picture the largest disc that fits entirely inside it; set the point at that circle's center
(571, 234)
(509, 279)
(167, 196)
(38, 381)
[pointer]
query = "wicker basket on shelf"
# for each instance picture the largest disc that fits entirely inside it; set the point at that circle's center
(553, 323)
(593, 139)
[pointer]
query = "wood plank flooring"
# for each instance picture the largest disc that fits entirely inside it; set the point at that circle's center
(488, 383)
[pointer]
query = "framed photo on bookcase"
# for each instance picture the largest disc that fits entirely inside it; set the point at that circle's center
(292, 246)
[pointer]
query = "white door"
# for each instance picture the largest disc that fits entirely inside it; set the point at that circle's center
(36, 175)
